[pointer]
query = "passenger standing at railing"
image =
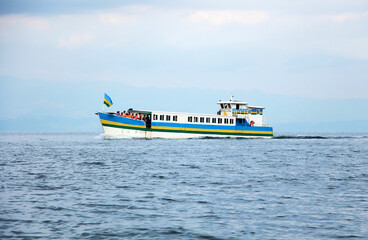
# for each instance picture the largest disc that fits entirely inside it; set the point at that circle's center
(117, 113)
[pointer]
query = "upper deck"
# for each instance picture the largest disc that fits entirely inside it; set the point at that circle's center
(241, 110)
(231, 113)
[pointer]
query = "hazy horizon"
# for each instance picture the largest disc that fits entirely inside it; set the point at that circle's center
(306, 62)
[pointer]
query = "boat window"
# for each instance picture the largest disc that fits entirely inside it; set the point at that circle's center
(237, 106)
(226, 121)
(213, 120)
(229, 105)
(175, 118)
(189, 119)
(222, 105)
(195, 119)
(201, 119)
(167, 117)
(154, 116)
(219, 120)
(162, 117)
(231, 121)
(208, 120)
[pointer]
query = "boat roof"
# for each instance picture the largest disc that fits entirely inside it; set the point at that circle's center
(167, 112)
(256, 107)
(232, 101)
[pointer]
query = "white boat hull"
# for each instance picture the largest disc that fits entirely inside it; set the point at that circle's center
(128, 133)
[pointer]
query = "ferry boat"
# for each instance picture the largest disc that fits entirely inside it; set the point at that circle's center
(234, 119)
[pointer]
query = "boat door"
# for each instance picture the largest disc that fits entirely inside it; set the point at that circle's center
(149, 121)
(241, 123)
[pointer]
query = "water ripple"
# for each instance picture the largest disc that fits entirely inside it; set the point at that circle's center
(87, 186)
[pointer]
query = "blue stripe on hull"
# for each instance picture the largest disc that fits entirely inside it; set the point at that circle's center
(119, 119)
(141, 124)
(205, 126)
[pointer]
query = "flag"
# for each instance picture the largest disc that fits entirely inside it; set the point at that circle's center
(107, 100)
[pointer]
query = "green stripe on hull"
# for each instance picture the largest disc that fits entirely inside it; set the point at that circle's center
(190, 131)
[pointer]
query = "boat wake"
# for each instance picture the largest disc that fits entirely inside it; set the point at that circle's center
(318, 137)
(299, 137)
(118, 137)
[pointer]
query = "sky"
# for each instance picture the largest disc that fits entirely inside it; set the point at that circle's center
(58, 57)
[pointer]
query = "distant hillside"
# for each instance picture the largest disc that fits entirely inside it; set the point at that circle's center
(62, 109)
(92, 124)
(348, 126)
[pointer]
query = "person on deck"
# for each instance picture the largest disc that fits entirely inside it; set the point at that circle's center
(117, 113)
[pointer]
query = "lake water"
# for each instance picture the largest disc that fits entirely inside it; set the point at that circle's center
(86, 186)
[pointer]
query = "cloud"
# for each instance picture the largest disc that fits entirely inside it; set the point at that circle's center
(26, 21)
(343, 17)
(191, 47)
(224, 17)
(123, 15)
(75, 40)
(116, 18)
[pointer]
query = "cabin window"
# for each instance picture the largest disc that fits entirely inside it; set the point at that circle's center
(175, 118)
(213, 120)
(231, 121)
(154, 117)
(222, 105)
(195, 119)
(226, 121)
(208, 120)
(229, 105)
(190, 119)
(219, 120)
(167, 117)
(201, 119)
(237, 106)
(162, 117)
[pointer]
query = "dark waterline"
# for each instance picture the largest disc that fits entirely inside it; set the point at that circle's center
(83, 185)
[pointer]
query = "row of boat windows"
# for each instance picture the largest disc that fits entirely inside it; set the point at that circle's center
(209, 120)
(245, 111)
(168, 118)
(194, 119)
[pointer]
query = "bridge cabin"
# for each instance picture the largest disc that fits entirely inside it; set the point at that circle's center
(243, 113)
